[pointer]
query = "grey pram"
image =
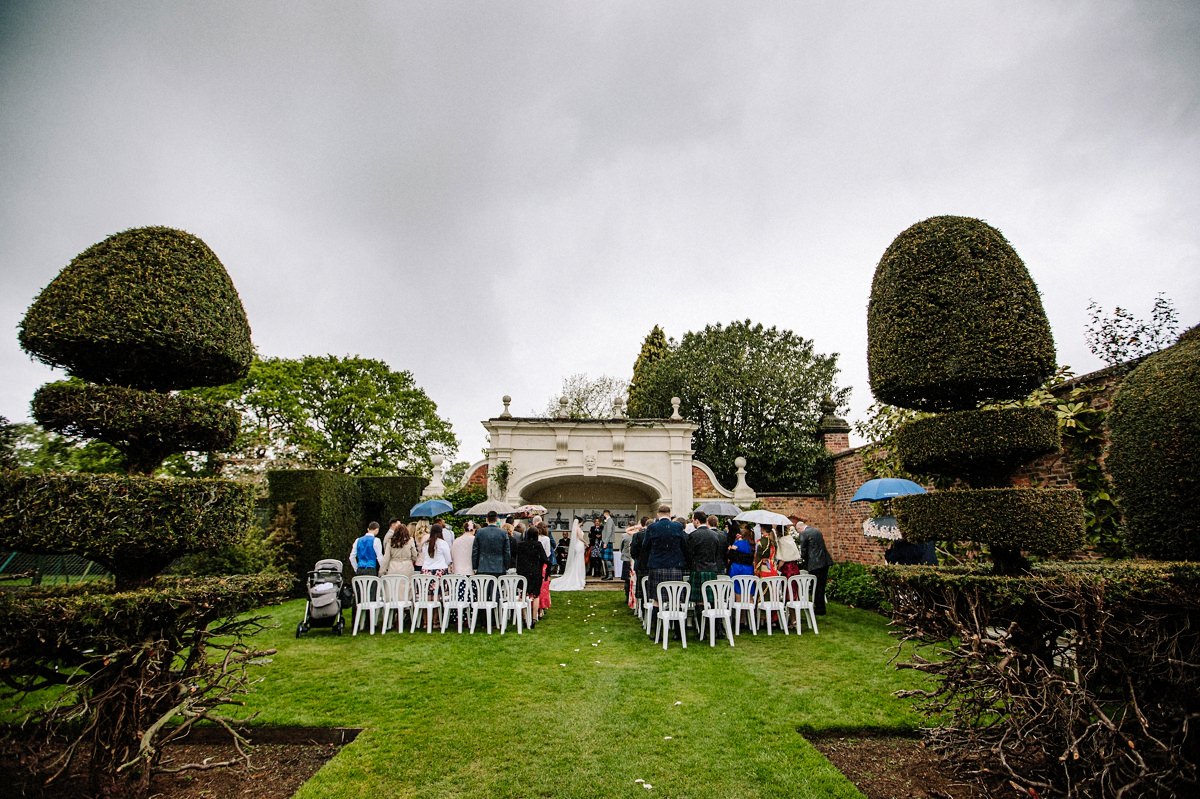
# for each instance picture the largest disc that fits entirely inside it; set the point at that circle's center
(324, 607)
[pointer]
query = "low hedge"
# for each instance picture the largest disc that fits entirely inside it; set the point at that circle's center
(982, 447)
(853, 584)
(133, 526)
(146, 426)
(1042, 520)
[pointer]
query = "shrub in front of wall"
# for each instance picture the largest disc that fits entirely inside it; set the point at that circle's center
(1047, 521)
(133, 526)
(982, 447)
(852, 584)
(954, 319)
(146, 426)
(149, 308)
(1155, 453)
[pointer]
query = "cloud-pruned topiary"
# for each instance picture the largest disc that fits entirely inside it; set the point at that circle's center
(1154, 457)
(144, 425)
(1041, 520)
(954, 319)
(149, 308)
(982, 447)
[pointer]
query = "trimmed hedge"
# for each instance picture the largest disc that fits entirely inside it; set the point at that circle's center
(133, 526)
(150, 308)
(388, 497)
(1043, 520)
(954, 319)
(982, 447)
(145, 426)
(1154, 457)
(329, 511)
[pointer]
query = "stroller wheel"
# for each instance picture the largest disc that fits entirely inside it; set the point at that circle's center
(299, 629)
(341, 625)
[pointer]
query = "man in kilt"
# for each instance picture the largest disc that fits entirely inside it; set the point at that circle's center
(706, 551)
(667, 544)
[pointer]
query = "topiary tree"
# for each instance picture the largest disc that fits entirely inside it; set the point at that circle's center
(654, 348)
(955, 321)
(139, 315)
(1154, 458)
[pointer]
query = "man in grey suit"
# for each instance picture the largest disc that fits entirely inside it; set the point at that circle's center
(815, 559)
(491, 553)
(608, 528)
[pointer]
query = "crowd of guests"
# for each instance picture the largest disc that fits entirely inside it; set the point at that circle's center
(701, 548)
(432, 547)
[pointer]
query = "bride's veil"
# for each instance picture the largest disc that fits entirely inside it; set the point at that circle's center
(576, 529)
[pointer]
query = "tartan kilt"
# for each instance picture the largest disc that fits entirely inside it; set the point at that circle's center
(661, 576)
(698, 579)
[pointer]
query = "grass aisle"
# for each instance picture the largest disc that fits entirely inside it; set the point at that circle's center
(456, 716)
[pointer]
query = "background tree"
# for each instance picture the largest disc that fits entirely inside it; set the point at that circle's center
(655, 347)
(1120, 336)
(752, 391)
(350, 414)
(8, 444)
(588, 397)
(39, 451)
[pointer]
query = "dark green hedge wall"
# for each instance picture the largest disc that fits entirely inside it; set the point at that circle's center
(389, 497)
(133, 526)
(1154, 458)
(1042, 520)
(150, 308)
(329, 513)
(982, 447)
(954, 319)
(146, 426)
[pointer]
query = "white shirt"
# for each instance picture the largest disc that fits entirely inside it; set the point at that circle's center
(354, 552)
(440, 559)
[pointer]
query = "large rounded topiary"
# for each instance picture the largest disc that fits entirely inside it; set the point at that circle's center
(982, 447)
(954, 319)
(150, 308)
(1154, 459)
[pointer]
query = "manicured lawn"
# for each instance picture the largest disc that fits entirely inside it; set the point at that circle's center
(583, 706)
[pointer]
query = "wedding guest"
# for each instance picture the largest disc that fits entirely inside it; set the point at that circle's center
(787, 552)
(816, 561)
(531, 562)
(595, 564)
(668, 558)
(460, 551)
(447, 530)
(399, 552)
(367, 552)
(764, 553)
(420, 533)
(437, 553)
(706, 550)
(544, 539)
(741, 554)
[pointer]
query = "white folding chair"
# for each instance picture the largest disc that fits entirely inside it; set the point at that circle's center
(456, 596)
(672, 606)
(745, 600)
(802, 590)
(368, 598)
(427, 596)
(512, 600)
(647, 605)
(396, 597)
(717, 597)
(771, 600)
(485, 597)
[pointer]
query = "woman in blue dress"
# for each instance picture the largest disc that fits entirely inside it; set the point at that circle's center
(741, 555)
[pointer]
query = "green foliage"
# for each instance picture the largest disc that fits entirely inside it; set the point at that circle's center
(351, 414)
(1045, 521)
(329, 513)
(40, 451)
(982, 447)
(133, 526)
(853, 584)
(655, 347)
(1121, 337)
(8, 444)
(464, 496)
(1155, 428)
(954, 319)
(752, 391)
(499, 477)
(150, 308)
(389, 497)
(587, 398)
(250, 554)
(145, 426)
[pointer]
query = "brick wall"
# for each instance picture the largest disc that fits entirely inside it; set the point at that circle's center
(479, 477)
(702, 487)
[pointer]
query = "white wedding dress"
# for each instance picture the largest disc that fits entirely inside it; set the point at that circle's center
(573, 574)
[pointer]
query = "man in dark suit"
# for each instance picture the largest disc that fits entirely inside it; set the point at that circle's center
(815, 559)
(668, 558)
(492, 552)
(706, 549)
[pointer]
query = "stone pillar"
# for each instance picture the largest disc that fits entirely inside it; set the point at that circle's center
(435, 488)
(743, 494)
(834, 430)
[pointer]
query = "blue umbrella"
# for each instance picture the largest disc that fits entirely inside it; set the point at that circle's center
(885, 488)
(431, 507)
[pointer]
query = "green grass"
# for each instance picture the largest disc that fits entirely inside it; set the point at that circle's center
(455, 716)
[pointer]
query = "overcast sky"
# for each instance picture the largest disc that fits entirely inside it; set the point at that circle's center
(496, 195)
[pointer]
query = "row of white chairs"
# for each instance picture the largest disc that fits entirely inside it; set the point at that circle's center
(497, 598)
(727, 599)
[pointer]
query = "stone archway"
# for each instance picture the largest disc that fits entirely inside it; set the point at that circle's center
(565, 493)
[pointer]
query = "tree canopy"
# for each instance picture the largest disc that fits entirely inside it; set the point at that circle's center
(752, 391)
(655, 347)
(588, 397)
(1120, 336)
(350, 414)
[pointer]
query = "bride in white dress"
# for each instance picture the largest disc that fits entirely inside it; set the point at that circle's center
(573, 573)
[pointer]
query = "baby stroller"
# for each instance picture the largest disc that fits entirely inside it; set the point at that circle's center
(324, 608)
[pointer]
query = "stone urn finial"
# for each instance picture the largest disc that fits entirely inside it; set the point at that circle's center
(507, 400)
(675, 409)
(562, 408)
(618, 408)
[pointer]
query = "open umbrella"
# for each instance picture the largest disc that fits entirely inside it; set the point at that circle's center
(885, 488)
(489, 505)
(431, 508)
(882, 527)
(719, 508)
(530, 510)
(762, 517)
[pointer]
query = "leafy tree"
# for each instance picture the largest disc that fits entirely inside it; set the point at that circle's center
(8, 441)
(1120, 336)
(351, 414)
(38, 450)
(455, 472)
(587, 397)
(655, 347)
(752, 391)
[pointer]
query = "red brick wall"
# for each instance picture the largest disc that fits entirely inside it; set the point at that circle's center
(702, 487)
(479, 477)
